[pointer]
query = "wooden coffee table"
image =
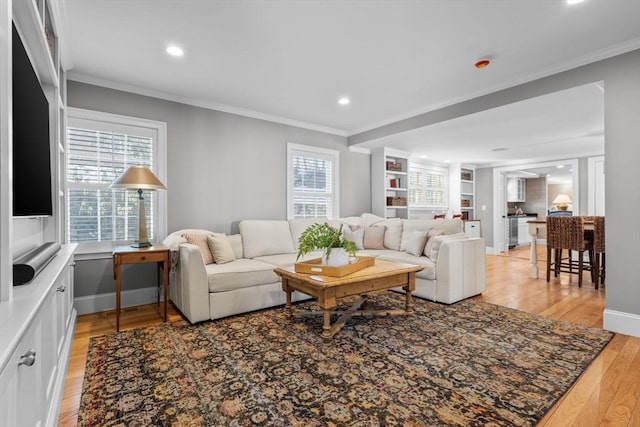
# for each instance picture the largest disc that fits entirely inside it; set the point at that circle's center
(326, 290)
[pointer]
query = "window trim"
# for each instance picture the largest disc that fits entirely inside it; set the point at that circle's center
(160, 169)
(335, 154)
(432, 168)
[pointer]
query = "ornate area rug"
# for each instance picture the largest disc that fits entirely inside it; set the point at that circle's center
(468, 364)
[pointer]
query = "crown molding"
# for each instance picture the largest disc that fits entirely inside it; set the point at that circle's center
(578, 62)
(96, 81)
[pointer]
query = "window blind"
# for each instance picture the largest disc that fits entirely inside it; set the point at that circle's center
(313, 193)
(95, 158)
(427, 187)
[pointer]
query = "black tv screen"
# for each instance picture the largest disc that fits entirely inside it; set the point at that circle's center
(31, 145)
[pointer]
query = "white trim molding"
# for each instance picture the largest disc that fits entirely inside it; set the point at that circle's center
(106, 302)
(210, 105)
(621, 322)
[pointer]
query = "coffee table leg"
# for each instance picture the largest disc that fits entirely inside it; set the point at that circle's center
(326, 327)
(408, 302)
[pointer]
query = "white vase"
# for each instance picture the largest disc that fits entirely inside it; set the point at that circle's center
(336, 258)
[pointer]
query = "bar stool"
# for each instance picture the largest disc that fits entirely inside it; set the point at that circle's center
(599, 249)
(567, 232)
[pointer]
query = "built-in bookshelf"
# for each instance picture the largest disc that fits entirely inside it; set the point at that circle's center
(389, 180)
(467, 192)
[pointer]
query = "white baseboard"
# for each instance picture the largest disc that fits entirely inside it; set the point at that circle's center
(621, 322)
(106, 302)
(490, 250)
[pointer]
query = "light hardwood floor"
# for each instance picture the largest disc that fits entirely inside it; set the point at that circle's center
(607, 394)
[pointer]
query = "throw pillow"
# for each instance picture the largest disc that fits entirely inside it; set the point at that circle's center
(416, 242)
(221, 249)
(374, 237)
(200, 240)
(356, 236)
(430, 239)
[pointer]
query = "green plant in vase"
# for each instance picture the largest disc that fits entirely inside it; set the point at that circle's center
(329, 239)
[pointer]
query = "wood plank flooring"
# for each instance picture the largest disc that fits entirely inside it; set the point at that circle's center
(607, 394)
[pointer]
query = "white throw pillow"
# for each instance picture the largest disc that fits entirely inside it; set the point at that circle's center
(220, 249)
(416, 242)
(356, 236)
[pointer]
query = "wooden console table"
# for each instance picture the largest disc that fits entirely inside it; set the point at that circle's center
(129, 255)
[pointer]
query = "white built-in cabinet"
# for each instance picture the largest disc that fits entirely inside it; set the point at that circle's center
(389, 183)
(36, 332)
(37, 320)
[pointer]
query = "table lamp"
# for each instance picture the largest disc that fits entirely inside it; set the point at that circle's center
(562, 201)
(139, 178)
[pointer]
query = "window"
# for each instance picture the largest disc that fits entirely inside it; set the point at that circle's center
(427, 186)
(100, 147)
(312, 182)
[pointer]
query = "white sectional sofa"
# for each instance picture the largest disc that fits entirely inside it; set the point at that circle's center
(203, 292)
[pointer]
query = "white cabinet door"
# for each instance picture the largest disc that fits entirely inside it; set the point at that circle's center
(472, 228)
(516, 190)
(21, 392)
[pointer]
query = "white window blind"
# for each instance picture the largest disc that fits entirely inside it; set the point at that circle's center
(427, 187)
(94, 159)
(97, 152)
(312, 186)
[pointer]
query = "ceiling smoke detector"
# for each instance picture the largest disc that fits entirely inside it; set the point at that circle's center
(483, 63)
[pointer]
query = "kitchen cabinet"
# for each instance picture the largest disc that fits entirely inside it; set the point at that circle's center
(516, 190)
(524, 238)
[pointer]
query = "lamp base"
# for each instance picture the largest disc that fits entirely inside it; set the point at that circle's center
(141, 244)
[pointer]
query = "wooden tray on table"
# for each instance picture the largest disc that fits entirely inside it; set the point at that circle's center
(315, 266)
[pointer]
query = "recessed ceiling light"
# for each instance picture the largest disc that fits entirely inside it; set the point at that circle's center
(447, 161)
(499, 149)
(174, 50)
(344, 101)
(574, 1)
(560, 166)
(424, 156)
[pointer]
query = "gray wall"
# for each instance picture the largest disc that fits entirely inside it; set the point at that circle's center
(221, 168)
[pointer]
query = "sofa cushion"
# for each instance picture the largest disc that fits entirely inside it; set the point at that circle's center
(411, 225)
(449, 226)
(438, 240)
(287, 260)
(374, 252)
(429, 267)
(374, 237)
(200, 240)
(416, 242)
(241, 273)
(264, 237)
(235, 240)
(221, 249)
(356, 236)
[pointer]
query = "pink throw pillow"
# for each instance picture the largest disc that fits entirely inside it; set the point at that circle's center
(430, 237)
(374, 237)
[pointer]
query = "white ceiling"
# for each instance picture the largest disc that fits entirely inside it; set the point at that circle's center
(290, 60)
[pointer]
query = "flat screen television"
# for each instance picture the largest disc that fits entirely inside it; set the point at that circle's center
(32, 193)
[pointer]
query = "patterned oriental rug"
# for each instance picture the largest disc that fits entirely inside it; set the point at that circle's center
(468, 364)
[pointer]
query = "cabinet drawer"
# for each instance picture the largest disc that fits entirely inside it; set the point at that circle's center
(137, 257)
